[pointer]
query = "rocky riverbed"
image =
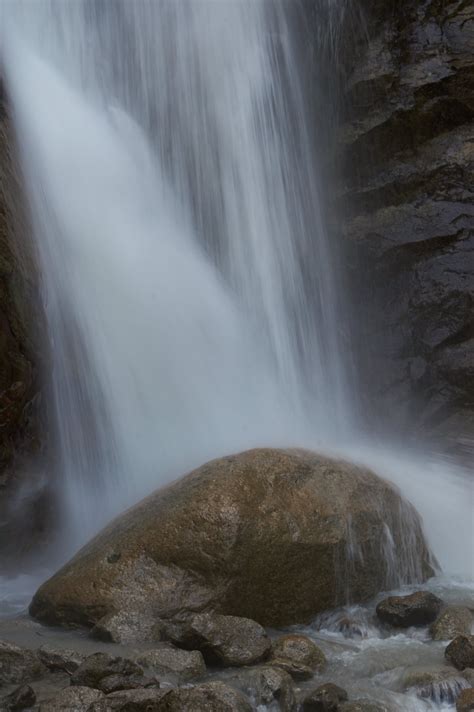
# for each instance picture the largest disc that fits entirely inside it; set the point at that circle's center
(409, 654)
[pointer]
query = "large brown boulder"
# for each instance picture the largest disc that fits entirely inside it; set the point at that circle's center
(271, 535)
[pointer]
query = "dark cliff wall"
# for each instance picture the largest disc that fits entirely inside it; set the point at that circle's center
(23, 498)
(406, 204)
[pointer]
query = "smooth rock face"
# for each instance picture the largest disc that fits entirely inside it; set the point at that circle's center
(185, 664)
(266, 535)
(223, 640)
(298, 655)
(18, 664)
(452, 621)
(325, 698)
(460, 652)
(407, 210)
(418, 608)
(465, 701)
(78, 699)
(20, 699)
(209, 697)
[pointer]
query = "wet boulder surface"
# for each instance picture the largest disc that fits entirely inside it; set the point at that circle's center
(266, 535)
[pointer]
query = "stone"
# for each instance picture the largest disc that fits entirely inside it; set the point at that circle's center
(298, 655)
(126, 627)
(208, 697)
(184, 664)
(266, 685)
(440, 684)
(77, 699)
(18, 665)
(223, 640)
(262, 535)
(325, 698)
(115, 683)
(420, 608)
(465, 701)
(141, 700)
(99, 666)
(60, 659)
(452, 621)
(362, 705)
(460, 652)
(20, 699)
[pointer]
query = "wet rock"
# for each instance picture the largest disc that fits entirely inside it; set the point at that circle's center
(442, 685)
(20, 699)
(298, 655)
(465, 701)
(223, 640)
(363, 705)
(143, 700)
(209, 697)
(266, 685)
(452, 621)
(460, 652)
(18, 664)
(127, 627)
(184, 664)
(99, 666)
(325, 698)
(60, 659)
(420, 608)
(78, 699)
(213, 540)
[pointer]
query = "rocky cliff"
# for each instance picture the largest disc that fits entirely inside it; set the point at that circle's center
(407, 210)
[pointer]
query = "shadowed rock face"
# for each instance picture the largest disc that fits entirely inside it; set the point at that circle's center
(408, 210)
(271, 535)
(23, 500)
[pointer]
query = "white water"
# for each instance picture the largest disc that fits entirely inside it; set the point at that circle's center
(189, 290)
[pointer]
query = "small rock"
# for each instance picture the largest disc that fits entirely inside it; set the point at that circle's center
(452, 621)
(208, 697)
(298, 655)
(143, 700)
(362, 705)
(115, 683)
(77, 699)
(465, 701)
(20, 699)
(185, 664)
(460, 652)
(98, 666)
(420, 608)
(439, 684)
(127, 627)
(223, 640)
(59, 659)
(266, 685)
(18, 664)
(325, 698)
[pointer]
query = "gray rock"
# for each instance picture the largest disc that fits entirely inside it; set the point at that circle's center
(223, 640)
(20, 699)
(460, 652)
(127, 627)
(18, 664)
(114, 683)
(298, 655)
(143, 700)
(325, 698)
(185, 664)
(452, 621)
(208, 697)
(420, 608)
(72, 699)
(60, 659)
(267, 685)
(95, 668)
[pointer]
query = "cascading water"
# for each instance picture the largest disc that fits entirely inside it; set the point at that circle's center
(188, 285)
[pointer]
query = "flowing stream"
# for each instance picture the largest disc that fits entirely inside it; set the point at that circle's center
(191, 298)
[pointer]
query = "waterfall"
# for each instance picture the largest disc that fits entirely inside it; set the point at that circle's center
(171, 172)
(187, 280)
